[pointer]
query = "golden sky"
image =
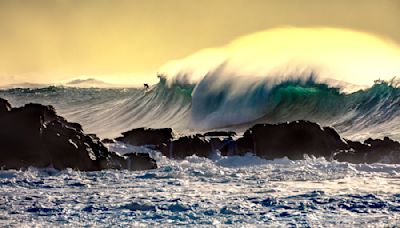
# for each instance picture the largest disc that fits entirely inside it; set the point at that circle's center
(53, 40)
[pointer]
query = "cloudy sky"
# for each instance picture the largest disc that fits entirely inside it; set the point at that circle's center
(53, 40)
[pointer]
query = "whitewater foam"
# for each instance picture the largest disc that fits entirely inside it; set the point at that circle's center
(197, 191)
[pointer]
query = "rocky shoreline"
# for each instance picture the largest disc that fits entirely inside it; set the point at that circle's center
(34, 135)
(270, 141)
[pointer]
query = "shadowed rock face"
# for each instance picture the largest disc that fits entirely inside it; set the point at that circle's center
(4, 106)
(291, 140)
(240, 147)
(187, 146)
(146, 136)
(220, 133)
(296, 139)
(371, 151)
(131, 161)
(34, 135)
(108, 141)
(199, 145)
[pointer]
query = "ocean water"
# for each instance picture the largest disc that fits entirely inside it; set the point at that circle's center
(221, 191)
(212, 104)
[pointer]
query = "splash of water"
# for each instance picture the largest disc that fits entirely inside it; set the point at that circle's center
(336, 54)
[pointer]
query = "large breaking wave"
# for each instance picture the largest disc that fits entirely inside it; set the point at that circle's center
(231, 104)
(317, 74)
(221, 95)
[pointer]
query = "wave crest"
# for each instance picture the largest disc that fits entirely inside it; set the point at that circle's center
(225, 104)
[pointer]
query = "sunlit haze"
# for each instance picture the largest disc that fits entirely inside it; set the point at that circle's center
(126, 42)
(338, 54)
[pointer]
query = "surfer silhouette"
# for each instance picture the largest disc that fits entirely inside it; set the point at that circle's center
(146, 86)
(378, 81)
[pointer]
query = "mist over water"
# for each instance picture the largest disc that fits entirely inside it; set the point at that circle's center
(335, 54)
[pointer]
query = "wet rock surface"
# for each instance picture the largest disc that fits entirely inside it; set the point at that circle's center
(293, 140)
(146, 136)
(34, 135)
(299, 138)
(131, 161)
(371, 151)
(187, 146)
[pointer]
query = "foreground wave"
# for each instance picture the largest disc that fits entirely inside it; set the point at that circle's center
(235, 191)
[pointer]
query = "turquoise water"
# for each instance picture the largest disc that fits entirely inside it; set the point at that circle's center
(372, 112)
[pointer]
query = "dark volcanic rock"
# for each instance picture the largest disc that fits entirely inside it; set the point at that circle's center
(34, 135)
(108, 141)
(139, 161)
(292, 140)
(187, 146)
(295, 139)
(146, 136)
(218, 142)
(131, 161)
(4, 106)
(220, 133)
(199, 145)
(240, 147)
(219, 139)
(371, 151)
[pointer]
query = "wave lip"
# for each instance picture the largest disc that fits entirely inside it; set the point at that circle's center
(216, 103)
(235, 104)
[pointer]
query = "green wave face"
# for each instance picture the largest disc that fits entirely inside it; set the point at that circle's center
(375, 109)
(202, 106)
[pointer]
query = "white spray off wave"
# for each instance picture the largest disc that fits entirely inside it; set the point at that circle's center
(339, 54)
(234, 76)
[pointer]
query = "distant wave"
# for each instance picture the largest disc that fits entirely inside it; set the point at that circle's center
(108, 112)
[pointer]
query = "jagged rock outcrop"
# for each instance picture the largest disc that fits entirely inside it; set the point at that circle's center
(202, 145)
(187, 146)
(4, 106)
(108, 141)
(220, 133)
(130, 161)
(146, 136)
(299, 138)
(371, 151)
(292, 140)
(34, 135)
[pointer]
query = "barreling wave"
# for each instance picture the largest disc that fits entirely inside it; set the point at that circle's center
(234, 104)
(371, 112)
(237, 104)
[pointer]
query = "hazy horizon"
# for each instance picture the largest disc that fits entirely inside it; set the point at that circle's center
(126, 42)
